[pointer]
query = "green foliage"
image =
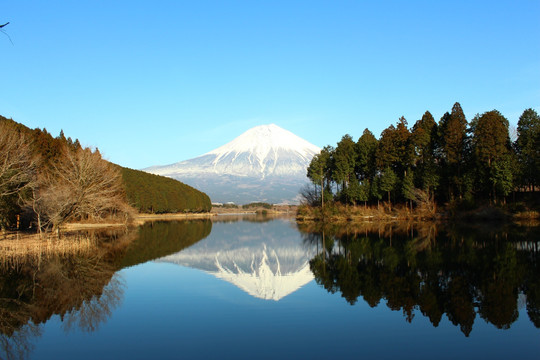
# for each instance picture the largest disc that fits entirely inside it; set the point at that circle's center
(407, 187)
(388, 181)
(151, 193)
(492, 151)
(527, 145)
(344, 160)
(502, 176)
(452, 162)
(387, 153)
(365, 156)
(424, 142)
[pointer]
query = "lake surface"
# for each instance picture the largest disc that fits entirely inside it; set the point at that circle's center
(266, 288)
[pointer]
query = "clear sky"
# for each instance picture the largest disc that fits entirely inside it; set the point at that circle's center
(156, 82)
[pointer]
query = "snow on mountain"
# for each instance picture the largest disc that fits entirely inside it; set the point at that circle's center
(265, 163)
(270, 265)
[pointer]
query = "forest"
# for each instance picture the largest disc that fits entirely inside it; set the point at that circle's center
(46, 181)
(453, 162)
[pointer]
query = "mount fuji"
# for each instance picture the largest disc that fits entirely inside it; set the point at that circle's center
(266, 163)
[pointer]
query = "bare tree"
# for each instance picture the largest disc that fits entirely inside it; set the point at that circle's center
(309, 195)
(80, 186)
(17, 163)
(18, 167)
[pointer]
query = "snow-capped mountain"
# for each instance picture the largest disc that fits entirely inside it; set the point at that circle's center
(266, 163)
(268, 265)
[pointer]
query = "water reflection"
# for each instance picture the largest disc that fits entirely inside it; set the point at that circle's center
(82, 290)
(452, 271)
(425, 270)
(264, 258)
(82, 286)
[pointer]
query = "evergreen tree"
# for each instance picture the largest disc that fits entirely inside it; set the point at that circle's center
(403, 147)
(527, 148)
(423, 142)
(387, 152)
(394, 148)
(319, 170)
(344, 161)
(452, 142)
(407, 187)
(492, 152)
(365, 156)
(388, 182)
(375, 191)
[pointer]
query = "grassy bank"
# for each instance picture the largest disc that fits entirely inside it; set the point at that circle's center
(336, 212)
(346, 213)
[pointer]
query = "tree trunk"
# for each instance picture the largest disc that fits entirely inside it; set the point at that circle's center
(322, 193)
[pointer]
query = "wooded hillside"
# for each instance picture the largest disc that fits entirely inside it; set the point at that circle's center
(50, 180)
(151, 193)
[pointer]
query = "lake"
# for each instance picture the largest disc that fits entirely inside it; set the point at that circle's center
(266, 288)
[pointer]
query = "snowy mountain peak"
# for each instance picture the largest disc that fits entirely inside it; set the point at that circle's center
(265, 163)
(262, 140)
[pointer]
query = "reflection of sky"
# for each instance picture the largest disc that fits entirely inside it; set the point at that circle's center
(172, 312)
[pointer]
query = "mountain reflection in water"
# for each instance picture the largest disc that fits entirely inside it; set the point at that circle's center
(441, 273)
(460, 272)
(263, 258)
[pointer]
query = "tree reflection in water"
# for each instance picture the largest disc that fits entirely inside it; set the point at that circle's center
(82, 286)
(436, 270)
(78, 287)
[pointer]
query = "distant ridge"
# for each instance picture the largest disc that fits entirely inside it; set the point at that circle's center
(266, 163)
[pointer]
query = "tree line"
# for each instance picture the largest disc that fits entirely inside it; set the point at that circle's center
(46, 181)
(452, 161)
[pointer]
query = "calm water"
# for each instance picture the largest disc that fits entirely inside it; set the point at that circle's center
(261, 288)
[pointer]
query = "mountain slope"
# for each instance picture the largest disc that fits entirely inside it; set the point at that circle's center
(266, 163)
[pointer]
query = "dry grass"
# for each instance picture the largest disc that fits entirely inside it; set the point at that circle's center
(348, 213)
(20, 248)
(140, 219)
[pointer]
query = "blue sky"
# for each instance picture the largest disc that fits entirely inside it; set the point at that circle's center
(155, 82)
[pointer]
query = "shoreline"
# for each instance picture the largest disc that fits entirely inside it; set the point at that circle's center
(140, 219)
